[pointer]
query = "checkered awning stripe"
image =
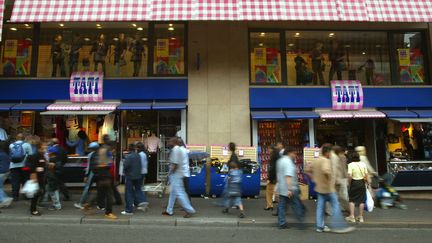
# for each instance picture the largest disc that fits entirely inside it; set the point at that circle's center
(2, 5)
(141, 10)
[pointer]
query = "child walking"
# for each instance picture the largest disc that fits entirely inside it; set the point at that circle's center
(234, 189)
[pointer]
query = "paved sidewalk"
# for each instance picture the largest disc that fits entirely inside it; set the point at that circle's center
(418, 215)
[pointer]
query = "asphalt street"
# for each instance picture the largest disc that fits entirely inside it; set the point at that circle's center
(58, 233)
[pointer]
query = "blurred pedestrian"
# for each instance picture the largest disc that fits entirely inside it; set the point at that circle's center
(339, 163)
(144, 166)
(133, 180)
(38, 165)
(19, 151)
(234, 188)
(5, 160)
(54, 171)
(358, 177)
(271, 178)
(322, 174)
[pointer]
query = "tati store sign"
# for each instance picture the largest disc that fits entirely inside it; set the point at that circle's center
(86, 87)
(347, 95)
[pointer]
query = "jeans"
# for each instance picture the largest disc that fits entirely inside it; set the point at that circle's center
(105, 192)
(178, 192)
(3, 195)
(337, 220)
(55, 198)
(296, 206)
(18, 178)
(85, 193)
(133, 193)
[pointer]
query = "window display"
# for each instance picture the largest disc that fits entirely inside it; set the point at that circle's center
(265, 58)
(169, 51)
(410, 58)
(16, 50)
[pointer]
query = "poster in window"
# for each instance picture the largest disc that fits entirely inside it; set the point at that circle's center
(404, 57)
(10, 48)
(260, 56)
(162, 48)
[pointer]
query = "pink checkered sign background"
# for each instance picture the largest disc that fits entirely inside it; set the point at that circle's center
(347, 95)
(86, 87)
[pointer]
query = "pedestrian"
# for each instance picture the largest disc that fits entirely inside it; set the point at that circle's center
(54, 171)
(89, 177)
(110, 148)
(19, 151)
(233, 159)
(288, 190)
(133, 181)
(234, 188)
(271, 178)
(176, 174)
(61, 155)
(321, 172)
(3, 133)
(358, 178)
(79, 144)
(281, 147)
(361, 150)
(5, 160)
(104, 182)
(186, 168)
(338, 157)
(144, 166)
(38, 165)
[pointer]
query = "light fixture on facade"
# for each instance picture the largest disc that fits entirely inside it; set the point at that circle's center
(87, 39)
(98, 25)
(261, 44)
(134, 25)
(170, 25)
(115, 39)
(363, 53)
(140, 29)
(331, 35)
(26, 25)
(61, 25)
(347, 46)
(262, 34)
(297, 34)
(13, 29)
(144, 39)
(291, 44)
(171, 28)
(378, 46)
(173, 38)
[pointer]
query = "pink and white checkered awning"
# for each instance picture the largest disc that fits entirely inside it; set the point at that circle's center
(2, 5)
(275, 10)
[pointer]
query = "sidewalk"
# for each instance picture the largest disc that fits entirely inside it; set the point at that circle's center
(418, 215)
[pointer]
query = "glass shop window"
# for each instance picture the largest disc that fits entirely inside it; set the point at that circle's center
(265, 58)
(169, 50)
(16, 50)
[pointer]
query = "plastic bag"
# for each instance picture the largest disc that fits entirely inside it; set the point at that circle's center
(369, 202)
(30, 188)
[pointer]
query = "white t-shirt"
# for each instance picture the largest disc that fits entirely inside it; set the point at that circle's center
(185, 161)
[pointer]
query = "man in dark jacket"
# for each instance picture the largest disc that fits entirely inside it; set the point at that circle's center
(62, 157)
(132, 171)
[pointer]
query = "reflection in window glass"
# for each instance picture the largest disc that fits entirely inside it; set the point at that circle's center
(169, 54)
(410, 58)
(265, 58)
(117, 49)
(317, 57)
(16, 50)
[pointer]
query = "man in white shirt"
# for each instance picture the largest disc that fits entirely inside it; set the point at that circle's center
(186, 169)
(177, 173)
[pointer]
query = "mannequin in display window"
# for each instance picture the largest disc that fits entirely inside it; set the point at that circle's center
(152, 145)
(57, 56)
(99, 51)
(137, 49)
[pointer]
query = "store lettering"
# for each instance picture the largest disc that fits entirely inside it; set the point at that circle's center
(350, 93)
(86, 85)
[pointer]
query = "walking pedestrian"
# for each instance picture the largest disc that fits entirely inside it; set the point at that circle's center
(361, 150)
(271, 178)
(287, 187)
(358, 177)
(19, 151)
(176, 174)
(322, 174)
(61, 155)
(233, 159)
(89, 177)
(38, 165)
(133, 180)
(5, 160)
(339, 159)
(54, 171)
(234, 188)
(144, 166)
(110, 148)
(186, 168)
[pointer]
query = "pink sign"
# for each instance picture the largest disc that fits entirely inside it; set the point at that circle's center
(347, 95)
(86, 87)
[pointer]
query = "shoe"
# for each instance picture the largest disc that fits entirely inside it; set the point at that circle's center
(126, 213)
(143, 208)
(344, 230)
(35, 213)
(79, 206)
(325, 229)
(360, 219)
(166, 213)
(268, 209)
(242, 215)
(350, 219)
(188, 215)
(52, 208)
(110, 216)
(100, 208)
(225, 210)
(284, 226)
(143, 204)
(6, 203)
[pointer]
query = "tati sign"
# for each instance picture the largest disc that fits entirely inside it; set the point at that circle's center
(347, 95)
(86, 87)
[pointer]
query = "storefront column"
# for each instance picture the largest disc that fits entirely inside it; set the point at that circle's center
(311, 133)
(370, 142)
(183, 125)
(254, 133)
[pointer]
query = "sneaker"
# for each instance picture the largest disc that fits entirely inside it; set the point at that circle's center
(143, 204)
(350, 219)
(242, 215)
(344, 230)
(100, 208)
(284, 226)
(110, 216)
(165, 213)
(35, 213)
(52, 208)
(79, 206)
(126, 213)
(360, 219)
(143, 208)
(325, 229)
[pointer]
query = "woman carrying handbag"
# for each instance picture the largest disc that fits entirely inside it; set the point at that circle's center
(358, 178)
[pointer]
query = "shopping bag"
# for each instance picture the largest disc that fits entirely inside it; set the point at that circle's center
(369, 202)
(30, 188)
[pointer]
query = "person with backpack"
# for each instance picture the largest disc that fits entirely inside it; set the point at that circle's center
(19, 151)
(5, 201)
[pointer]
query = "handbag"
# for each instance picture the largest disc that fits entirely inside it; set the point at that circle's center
(30, 188)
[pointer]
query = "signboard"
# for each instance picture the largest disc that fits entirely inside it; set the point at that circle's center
(86, 87)
(404, 57)
(347, 95)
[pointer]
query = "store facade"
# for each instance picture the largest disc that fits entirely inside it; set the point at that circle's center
(215, 70)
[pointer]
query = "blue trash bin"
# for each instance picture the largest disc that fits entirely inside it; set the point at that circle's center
(217, 182)
(197, 181)
(251, 184)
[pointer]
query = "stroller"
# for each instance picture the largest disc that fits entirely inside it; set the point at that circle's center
(386, 195)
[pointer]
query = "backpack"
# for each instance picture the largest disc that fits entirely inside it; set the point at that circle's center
(17, 153)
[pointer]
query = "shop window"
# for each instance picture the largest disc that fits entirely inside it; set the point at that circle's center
(169, 49)
(317, 57)
(265, 58)
(16, 50)
(410, 58)
(117, 49)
